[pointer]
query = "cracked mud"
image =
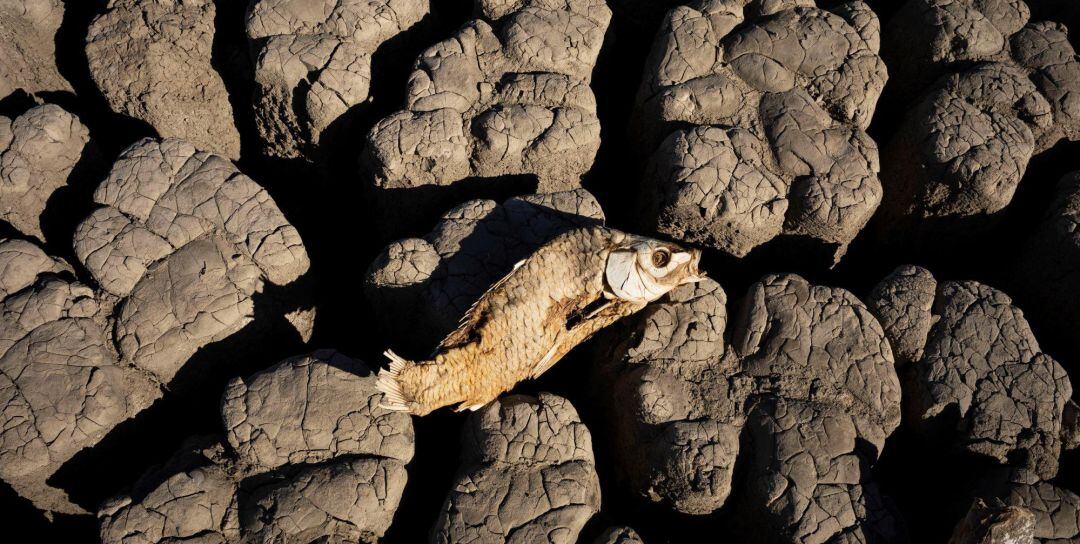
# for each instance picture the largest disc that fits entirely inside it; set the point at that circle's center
(215, 216)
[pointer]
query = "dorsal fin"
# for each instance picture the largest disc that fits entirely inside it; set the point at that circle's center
(464, 333)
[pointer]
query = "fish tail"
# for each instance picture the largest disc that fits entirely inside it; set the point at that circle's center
(387, 382)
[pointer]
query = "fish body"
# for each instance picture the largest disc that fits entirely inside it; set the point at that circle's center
(573, 286)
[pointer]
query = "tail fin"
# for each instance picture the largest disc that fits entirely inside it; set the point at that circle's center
(387, 382)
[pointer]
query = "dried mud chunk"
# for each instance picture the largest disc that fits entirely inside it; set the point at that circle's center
(196, 506)
(528, 475)
(318, 408)
(1057, 511)
(313, 63)
(432, 146)
(808, 480)
(309, 457)
(21, 263)
(903, 303)
(311, 409)
(38, 151)
(972, 150)
(839, 356)
(716, 189)
(185, 240)
(199, 295)
(507, 96)
(1010, 395)
(797, 358)
(28, 46)
(61, 386)
(688, 436)
(152, 61)
(345, 500)
(990, 91)
(777, 97)
(423, 285)
(981, 365)
(61, 399)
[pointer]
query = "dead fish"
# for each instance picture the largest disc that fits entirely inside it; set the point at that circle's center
(573, 286)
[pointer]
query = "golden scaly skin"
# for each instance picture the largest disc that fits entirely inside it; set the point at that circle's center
(524, 324)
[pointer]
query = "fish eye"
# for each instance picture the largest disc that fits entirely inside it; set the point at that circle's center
(661, 257)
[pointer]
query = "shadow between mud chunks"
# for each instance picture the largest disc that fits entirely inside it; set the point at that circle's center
(336, 227)
(420, 207)
(1030, 207)
(615, 178)
(21, 517)
(391, 64)
(230, 57)
(190, 405)
(930, 482)
(16, 103)
(431, 475)
(71, 203)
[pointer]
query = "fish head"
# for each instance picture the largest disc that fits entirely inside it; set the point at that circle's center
(644, 269)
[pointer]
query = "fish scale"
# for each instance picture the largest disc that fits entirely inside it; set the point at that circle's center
(523, 324)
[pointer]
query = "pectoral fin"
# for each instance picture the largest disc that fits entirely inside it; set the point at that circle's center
(550, 358)
(588, 311)
(579, 326)
(598, 307)
(470, 407)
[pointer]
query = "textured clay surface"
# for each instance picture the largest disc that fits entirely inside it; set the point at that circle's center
(336, 475)
(1057, 511)
(152, 61)
(181, 244)
(978, 369)
(306, 410)
(313, 63)
(62, 386)
(754, 115)
(987, 89)
(803, 378)
(38, 151)
(28, 46)
(196, 504)
(185, 241)
(508, 95)
(196, 195)
(528, 475)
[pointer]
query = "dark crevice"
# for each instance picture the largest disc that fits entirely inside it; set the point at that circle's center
(230, 58)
